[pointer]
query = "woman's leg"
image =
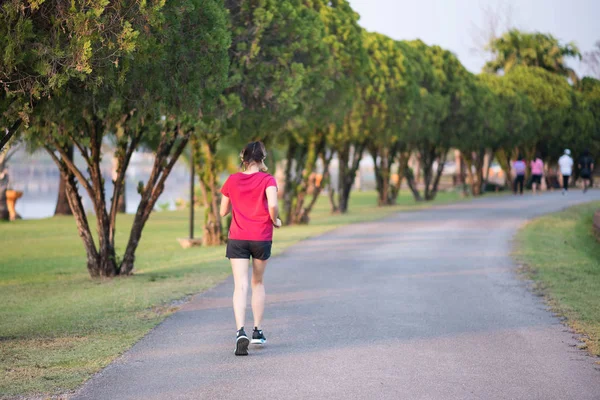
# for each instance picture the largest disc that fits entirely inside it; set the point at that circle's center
(239, 267)
(258, 290)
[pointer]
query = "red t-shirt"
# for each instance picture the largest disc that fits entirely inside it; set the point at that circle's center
(249, 206)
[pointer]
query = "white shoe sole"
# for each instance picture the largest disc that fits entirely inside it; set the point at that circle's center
(258, 341)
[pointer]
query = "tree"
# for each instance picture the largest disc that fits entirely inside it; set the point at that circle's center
(532, 49)
(140, 104)
(46, 44)
(590, 94)
(483, 131)
(551, 99)
(519, 120)
(345, 137)
(320, 132)
(389, 96)
(439, 115)
(277, 62)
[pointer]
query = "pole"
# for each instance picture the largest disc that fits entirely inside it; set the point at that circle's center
(192, 192)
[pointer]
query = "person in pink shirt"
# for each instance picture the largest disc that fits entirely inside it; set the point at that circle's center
(537, 171)
(251, 197)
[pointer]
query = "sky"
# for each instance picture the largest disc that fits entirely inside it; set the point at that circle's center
(456, 24)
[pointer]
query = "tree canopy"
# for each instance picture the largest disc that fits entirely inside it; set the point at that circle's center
(302, 76)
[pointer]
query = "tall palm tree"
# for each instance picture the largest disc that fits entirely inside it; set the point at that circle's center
(532, 49)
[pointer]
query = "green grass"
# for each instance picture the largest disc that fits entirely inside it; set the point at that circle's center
(562, 256)
(57, 326)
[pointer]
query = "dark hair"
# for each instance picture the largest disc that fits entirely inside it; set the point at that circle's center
(538, 155)
(253, 152)
(520, 158)
(586, 153)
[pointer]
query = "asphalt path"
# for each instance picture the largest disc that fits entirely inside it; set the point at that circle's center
(421, 305)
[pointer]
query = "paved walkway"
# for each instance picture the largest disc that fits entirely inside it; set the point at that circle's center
(422, 305)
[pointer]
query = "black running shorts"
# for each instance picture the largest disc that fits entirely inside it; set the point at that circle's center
(536, 179)
(248, 248)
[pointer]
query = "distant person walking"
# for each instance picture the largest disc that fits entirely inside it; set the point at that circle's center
(251, 196)
(565, 162)
(519, 167)
(537, 171)
(586, 168)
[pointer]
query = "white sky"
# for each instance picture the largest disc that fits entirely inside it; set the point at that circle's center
(451, 23)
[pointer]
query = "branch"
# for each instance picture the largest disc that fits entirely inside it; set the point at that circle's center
(60, 165)
(10, 133)
(164, 148)
(174, 158)
(81, 149)
(73, 168)
(118, 183)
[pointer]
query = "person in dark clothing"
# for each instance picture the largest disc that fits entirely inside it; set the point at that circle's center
(586, 169)
(519, 167)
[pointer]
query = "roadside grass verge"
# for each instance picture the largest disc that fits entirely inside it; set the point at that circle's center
(57, 326)
(562, 256)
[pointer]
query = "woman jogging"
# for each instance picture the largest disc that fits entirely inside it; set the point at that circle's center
(251, 196)
(537, 170)
(519, 167)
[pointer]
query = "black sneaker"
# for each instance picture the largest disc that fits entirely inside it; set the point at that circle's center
(258, 337)
(241, 343)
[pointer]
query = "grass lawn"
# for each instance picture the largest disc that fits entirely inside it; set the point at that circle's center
(562, 256)
(57, 326)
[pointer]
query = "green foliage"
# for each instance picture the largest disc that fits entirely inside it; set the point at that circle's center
(551, 98)
(46, 44)
(516, 48)
(277, 60)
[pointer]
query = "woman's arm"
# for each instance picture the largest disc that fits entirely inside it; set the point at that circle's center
(273, 205)
(225, 206)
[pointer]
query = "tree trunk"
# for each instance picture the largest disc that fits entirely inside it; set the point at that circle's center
(106, 244)
(438, 175)
(62, 203)
(475, 160)
(349, 162)
(4, 215)
(319, 188)
(504, 161)
(300, 177)
(479, 168)
(97, 267)
(332, 202)
(122, 202)
(383, 158)
(314, 148)
(488, 165)
(208, 170)
(401, 174)
(156, 184)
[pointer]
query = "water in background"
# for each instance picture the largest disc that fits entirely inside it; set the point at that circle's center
(38, 177)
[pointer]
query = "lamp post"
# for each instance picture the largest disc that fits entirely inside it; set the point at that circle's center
(190, 241)
(192, 194)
